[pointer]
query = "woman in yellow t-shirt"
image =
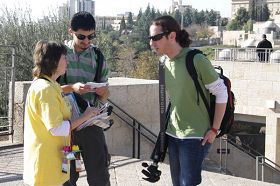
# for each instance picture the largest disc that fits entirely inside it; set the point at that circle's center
(47, 113)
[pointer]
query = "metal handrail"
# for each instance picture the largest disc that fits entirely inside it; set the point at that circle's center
(137, 127)
(247, 54)
(260, 159)
(248, 150)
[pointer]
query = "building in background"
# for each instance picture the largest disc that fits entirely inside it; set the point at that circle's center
(177, 5)
(73, 6)
(273, 6)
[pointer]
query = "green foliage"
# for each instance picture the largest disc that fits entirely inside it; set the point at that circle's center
(240, 20)
(249, 26)
(258, 12)
(122, 25)
(212, 17)
(127, 54)
(224, 21)
(109, 42)
(146, 66)
(18, 29)
(204, 32)
(264, 13)
(252, 10)
(242, 16)
(233, 25)
(129, 24)
(209, 52)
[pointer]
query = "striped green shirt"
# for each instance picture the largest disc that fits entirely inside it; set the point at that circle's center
(82, 68)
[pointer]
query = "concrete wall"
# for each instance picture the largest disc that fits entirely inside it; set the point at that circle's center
(256, 87)
(139, 98)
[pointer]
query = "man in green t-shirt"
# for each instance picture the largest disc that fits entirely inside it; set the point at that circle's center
(82, 68)
(189, 131)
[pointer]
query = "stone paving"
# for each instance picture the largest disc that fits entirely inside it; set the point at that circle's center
(124, 171)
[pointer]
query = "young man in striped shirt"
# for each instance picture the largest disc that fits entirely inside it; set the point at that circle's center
(82, 68)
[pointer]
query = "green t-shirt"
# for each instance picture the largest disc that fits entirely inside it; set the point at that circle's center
(188, 119)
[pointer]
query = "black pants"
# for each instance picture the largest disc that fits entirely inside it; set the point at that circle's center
(91, 141)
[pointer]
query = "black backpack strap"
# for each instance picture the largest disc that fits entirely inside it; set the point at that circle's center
(192, 71)
(99, 61)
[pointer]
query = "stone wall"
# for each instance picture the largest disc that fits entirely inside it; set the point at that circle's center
(256, 87)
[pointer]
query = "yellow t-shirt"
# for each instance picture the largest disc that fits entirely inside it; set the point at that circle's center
(45, 108)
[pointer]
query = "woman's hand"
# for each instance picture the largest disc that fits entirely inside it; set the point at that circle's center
(90, 112)
(102, 92)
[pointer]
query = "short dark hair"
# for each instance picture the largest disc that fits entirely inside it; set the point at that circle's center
(46, 57)
(264, 36)
(169, 24)
(82, 20)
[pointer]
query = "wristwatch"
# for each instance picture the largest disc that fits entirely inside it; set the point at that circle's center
(216, 131)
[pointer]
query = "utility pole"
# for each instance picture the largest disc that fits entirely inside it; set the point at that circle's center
(182, 19)
(181, 10)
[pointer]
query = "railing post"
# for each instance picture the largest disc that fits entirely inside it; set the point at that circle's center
(257, 168)
(133, 139)
(12, 98)
(262, 168)
(220, 154)
(138, 152)
(225, 167)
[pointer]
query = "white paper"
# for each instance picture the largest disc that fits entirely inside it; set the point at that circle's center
(99, 120)
(94, 85)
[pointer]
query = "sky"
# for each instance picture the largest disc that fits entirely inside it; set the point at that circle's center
(114, 7)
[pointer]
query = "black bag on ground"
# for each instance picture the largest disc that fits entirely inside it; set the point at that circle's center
(228, 118)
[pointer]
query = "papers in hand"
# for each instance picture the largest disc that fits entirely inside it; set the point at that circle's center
(101, 120)
(94, 85)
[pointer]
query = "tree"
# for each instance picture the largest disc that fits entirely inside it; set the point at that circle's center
(249, 26)
(18, 29)
(224, 21)
(125, 62)
(233, 25)
(240, 20)
(252, 10)
(146, 66)
(204, 32)
(108, 42)
(129, 24)
(264, 13)
(242, 16)
(122, 25)
(187, 17)
(212, 17)
(177, 16)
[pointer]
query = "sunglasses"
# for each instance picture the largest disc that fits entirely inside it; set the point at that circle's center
(83, 37)
(158, 36)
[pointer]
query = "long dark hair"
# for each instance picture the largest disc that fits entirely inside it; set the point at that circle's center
(169, 24)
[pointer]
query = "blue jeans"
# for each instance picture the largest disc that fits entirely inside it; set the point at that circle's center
(185, 159)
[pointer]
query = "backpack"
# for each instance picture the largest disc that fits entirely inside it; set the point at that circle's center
(228, 118)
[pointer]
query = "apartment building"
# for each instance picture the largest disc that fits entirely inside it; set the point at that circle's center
(273, 6)
(73, 6)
